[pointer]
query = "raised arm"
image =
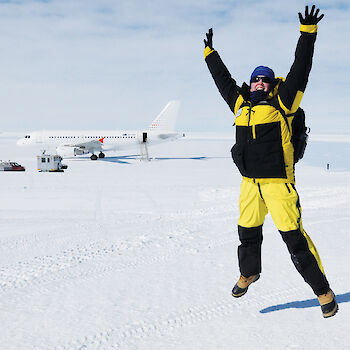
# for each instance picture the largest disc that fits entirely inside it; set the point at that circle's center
(222, 77)
(291, 91)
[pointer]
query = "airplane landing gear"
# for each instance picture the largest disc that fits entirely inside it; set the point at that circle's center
(101, 155)
(93, 157)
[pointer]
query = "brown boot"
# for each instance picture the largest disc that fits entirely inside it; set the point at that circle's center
(328, 304)
(242, 285)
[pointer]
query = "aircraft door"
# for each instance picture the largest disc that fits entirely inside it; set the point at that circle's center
(39, 137)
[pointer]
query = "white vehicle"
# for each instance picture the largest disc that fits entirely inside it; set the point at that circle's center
(73, 143)
(50, 163)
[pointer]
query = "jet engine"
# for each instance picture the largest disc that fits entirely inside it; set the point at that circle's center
(69, 151)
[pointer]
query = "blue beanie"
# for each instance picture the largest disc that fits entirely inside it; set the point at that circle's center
(262, 70)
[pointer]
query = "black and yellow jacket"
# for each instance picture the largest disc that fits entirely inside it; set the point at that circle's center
(263, 151)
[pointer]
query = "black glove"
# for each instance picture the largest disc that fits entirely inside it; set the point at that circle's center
(209, 41)
(310, 18)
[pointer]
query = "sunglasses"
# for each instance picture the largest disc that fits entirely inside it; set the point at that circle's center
(263, 79)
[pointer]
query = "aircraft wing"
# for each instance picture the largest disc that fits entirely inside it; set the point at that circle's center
(89, 146)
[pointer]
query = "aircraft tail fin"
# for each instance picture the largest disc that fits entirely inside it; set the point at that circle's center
(166, 119)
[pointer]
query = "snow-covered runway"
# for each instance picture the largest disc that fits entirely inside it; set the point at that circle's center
(123, 254)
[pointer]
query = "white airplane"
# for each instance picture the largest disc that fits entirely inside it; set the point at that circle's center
(73, 143)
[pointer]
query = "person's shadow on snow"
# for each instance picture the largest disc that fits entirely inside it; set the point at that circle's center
(341, 298)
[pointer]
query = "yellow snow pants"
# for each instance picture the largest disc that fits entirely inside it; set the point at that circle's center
(282, 201)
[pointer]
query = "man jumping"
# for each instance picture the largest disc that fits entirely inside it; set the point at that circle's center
(264, 155)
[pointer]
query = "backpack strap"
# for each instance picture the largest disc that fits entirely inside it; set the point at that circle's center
(274, 103)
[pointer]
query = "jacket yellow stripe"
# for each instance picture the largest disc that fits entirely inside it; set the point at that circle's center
(309, 28)
(298, 97)
(238, 104)
(297, 101)
(207, 51)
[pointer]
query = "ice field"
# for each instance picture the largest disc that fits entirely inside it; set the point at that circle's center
(124, 254)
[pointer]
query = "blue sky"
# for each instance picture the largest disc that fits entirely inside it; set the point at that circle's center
(115, 64)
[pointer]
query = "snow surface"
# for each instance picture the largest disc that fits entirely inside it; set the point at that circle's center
(124, 254)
